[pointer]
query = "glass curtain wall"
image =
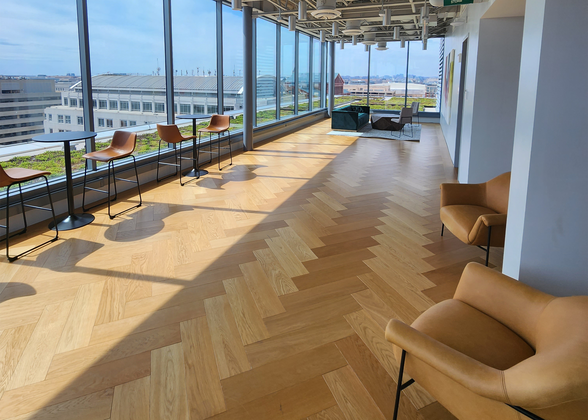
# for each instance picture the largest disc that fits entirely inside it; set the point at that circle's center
(303, 73)
(388, 77)
(316, 73)
(287, 72)
(128, 72)
(266, 72)
(39, 81)
(423, 75)
(233, 66)
(194, 48)
(351, 75)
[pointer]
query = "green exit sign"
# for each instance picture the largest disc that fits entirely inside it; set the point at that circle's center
(456, 2)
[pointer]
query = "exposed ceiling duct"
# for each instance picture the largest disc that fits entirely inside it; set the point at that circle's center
(369, 38)
(353, 27)
(326, 9)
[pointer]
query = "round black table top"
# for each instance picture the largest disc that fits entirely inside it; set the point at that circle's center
(193, 116)
(64, 136)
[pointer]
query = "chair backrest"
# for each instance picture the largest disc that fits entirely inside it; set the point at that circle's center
(415, 107)
(405, 116)
(220, 122)
(124, 141)
(497, 190)
(5, 180)
(169, 133)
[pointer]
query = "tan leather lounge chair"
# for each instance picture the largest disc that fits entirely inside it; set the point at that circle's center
(476, 213)
(499, 350)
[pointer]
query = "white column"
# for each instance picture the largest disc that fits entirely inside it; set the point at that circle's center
(547, 229)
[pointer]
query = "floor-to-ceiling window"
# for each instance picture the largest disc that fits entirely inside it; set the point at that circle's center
(388, 77)
(303, 73)
(128, 72)
(39, 81)
(194, 54)
(287, 87)
(351, 74)
(266, 72)
(233, 66)
(423, 75)
(316, 73)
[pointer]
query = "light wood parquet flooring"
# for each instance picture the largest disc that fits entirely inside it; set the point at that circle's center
(258, 292)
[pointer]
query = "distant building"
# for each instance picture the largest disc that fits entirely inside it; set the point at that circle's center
(339, 83)
(415, 90)
(22, 106)
(124, 101)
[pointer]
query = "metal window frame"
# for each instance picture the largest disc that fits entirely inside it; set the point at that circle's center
(278, 71)
(219, 58)
(169, 62)
(86, 77)
(296, 69)
(310, 75)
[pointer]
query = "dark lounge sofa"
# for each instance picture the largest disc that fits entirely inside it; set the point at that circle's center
(351, 117)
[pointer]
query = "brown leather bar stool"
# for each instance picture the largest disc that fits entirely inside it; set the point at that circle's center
(218, 124)
(13, 176)
(170, 133)
(122, 146)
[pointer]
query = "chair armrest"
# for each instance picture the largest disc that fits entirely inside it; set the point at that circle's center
(475, 376)
(494, 219)
(453, 194)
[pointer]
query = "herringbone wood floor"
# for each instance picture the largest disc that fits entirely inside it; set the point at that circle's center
(258, 292)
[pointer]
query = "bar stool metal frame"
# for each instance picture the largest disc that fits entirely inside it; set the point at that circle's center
(5, 175)
(175, 138)
(119, 138)
(218, 124)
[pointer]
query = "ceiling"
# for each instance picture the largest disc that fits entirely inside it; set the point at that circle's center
(405, 14)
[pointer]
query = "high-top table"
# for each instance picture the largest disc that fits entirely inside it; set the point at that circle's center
(196, 171)
(72, 220)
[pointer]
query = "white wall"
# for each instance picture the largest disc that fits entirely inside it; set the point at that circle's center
(495, 98)
(490, 94)
(454, 40)
(547, 231)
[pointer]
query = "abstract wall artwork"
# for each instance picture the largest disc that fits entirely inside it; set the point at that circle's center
(448, 85)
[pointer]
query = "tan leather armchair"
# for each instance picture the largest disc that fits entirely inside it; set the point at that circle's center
(476, 213)
(499, 348)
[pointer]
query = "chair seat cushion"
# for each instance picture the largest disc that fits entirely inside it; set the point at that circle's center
(22, 174)
(106, 155)
(460, 220)
(473, 333)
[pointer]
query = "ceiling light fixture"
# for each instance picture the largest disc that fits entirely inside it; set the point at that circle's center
(367, 48)
(236, 4)
(291, 23)
(342, 44)
(326, 9)
(397, 33)
(425, 44)
(354, 39)
(402, 42)
(386, 19)
(335, 30)
(322, 32)
(301, 10)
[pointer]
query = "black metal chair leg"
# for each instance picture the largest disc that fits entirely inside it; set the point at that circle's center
(8, 224)
(399, 385)
(108, 196)
(488, 246)
(230, 148)
(22, 206)
(7, 227)
(84, 189)
(218, 156)
(442, 228)
(138, 184)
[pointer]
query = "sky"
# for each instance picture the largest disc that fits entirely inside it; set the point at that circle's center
(40, 37)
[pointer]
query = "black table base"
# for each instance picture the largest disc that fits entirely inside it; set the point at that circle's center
(196, 174)
(73, 221)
